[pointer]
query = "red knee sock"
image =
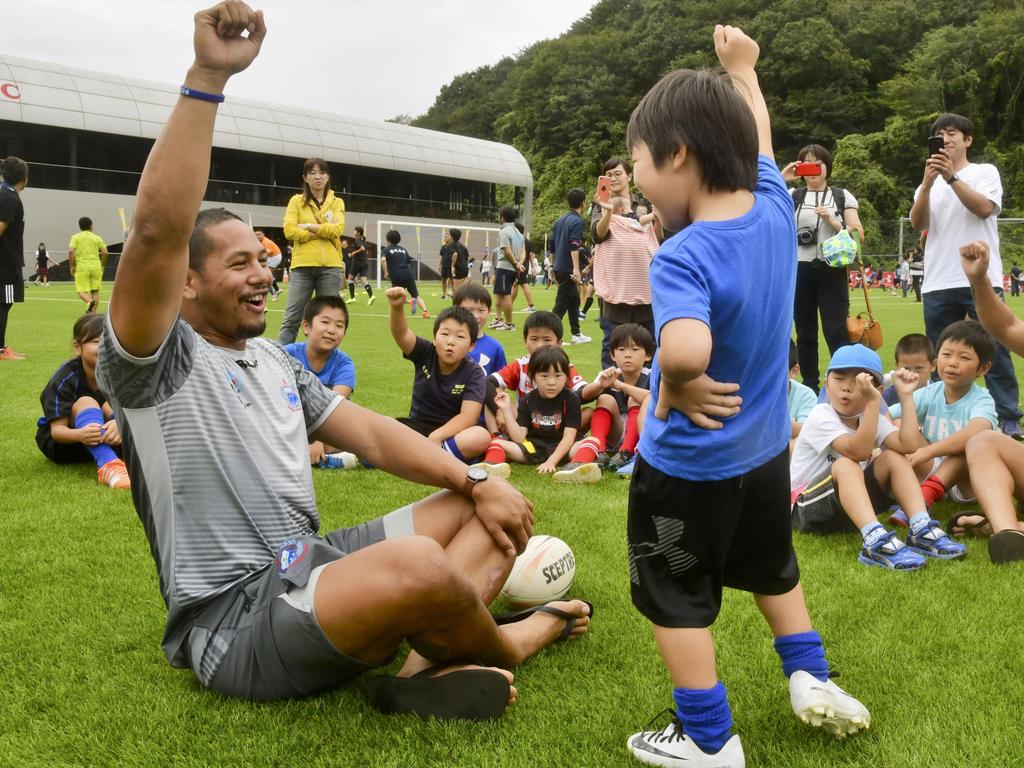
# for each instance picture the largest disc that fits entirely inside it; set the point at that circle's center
(933, 490)
(632, 437)
(600, 426)
(587, 452)
(495, 453)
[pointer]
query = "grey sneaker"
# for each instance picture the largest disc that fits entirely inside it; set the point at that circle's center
(578, 473)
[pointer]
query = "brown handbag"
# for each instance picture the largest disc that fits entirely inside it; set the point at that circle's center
(864, 329)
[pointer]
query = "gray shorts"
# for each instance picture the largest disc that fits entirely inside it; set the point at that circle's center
(261, 639)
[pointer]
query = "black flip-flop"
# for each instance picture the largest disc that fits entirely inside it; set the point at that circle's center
(1006, 546)
(525, 613)
(969, 529)
(466, 694)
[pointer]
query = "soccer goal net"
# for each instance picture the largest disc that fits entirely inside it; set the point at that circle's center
(423, 241)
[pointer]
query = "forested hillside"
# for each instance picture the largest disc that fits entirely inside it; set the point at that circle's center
(864, 77)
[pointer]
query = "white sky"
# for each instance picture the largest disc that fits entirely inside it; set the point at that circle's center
(364, 58)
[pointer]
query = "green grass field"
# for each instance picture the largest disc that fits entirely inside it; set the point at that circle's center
(935, 655)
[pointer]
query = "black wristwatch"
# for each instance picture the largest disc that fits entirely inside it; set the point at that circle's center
(952, 179)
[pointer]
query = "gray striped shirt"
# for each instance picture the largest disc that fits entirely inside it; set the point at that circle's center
(216, 443)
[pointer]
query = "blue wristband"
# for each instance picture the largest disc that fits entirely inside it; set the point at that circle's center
(192, 93)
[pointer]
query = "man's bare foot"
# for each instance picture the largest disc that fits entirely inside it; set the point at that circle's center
(417, 664)
(970, 524)
(531, 635)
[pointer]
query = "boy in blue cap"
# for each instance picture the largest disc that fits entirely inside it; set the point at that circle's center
(839, 439)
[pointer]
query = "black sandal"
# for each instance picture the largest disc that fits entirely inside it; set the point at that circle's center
(525, 613)
(466, 694)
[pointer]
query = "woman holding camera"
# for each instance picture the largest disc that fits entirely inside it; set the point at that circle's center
(821, 211)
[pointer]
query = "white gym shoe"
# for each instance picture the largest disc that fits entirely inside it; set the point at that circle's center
(671, 747)
(826, 705)
(502, 469)
(579, 338)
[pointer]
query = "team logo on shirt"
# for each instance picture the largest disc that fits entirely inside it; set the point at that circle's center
(291, 397)
(291, 552)
(425, 371)
(458, 389)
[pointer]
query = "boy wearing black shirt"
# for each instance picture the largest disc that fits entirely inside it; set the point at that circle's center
(448, 389)
(398, 268)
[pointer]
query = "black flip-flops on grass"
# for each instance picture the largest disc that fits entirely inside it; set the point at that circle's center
(465, 694)
(968, 529)
(1006, 546)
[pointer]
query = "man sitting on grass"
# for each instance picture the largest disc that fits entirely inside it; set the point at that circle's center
(215, 423)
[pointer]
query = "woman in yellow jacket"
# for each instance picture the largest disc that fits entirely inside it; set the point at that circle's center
(314, 221)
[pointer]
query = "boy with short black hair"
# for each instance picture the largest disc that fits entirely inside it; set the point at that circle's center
(709, 506)
(951, 411)
(915, 353)
(448, 389)
(397, 266)
(838, 442)
(325, 323)
(487, 351)
(632, 348)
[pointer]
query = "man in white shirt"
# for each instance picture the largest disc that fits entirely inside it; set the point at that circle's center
(958, 202)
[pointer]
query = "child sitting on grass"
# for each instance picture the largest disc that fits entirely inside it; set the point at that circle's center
(77, 424)
(632, 348)
(543, 426)
(487, 352)
(914, 353)
(448, 388)
(839, 439)
(801, 398)
(324, 323)
(951, 411)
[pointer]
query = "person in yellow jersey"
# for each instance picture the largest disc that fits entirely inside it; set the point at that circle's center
(87, 258)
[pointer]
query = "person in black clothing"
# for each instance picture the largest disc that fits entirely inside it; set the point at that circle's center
(1015, 280)
(398, 268)
(360, 266)
(459, 256)
(567, 236)
(445, 267)
(544, 426)
(77, 425)
(12, 232)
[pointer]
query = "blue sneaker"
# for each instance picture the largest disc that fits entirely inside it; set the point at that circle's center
(1011, 428)
(891, 553)
(898, 517)
(627, 470)
(933, 542)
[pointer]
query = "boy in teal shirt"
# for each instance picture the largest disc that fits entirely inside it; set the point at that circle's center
(953, 410)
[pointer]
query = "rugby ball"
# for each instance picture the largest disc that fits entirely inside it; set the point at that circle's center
(543, 572)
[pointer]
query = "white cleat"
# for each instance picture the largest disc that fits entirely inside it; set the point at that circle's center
(826, 705)
(671, 748)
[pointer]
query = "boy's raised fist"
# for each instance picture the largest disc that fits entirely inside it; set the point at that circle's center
(736, 50)
(396, 296)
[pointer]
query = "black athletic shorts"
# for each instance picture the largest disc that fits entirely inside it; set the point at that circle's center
(417, 426)
(12, 287)
(348, 266)
(503, 281)
(409, 285)
(523, 277)
(461, 274)
(61, 453)
(360, 267)
(689, 539)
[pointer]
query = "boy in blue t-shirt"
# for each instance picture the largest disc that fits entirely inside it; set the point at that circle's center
(709, 502)
(324, 323)
(953, 410)
(487, 352)
(448, 388)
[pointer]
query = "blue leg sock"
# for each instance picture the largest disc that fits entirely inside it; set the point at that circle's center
(452, 447)
(805, 651)
(705, 715)
(101, 453)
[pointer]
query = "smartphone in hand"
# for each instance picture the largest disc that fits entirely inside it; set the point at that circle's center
(807, 169)
(935, 145)
(604, 190)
